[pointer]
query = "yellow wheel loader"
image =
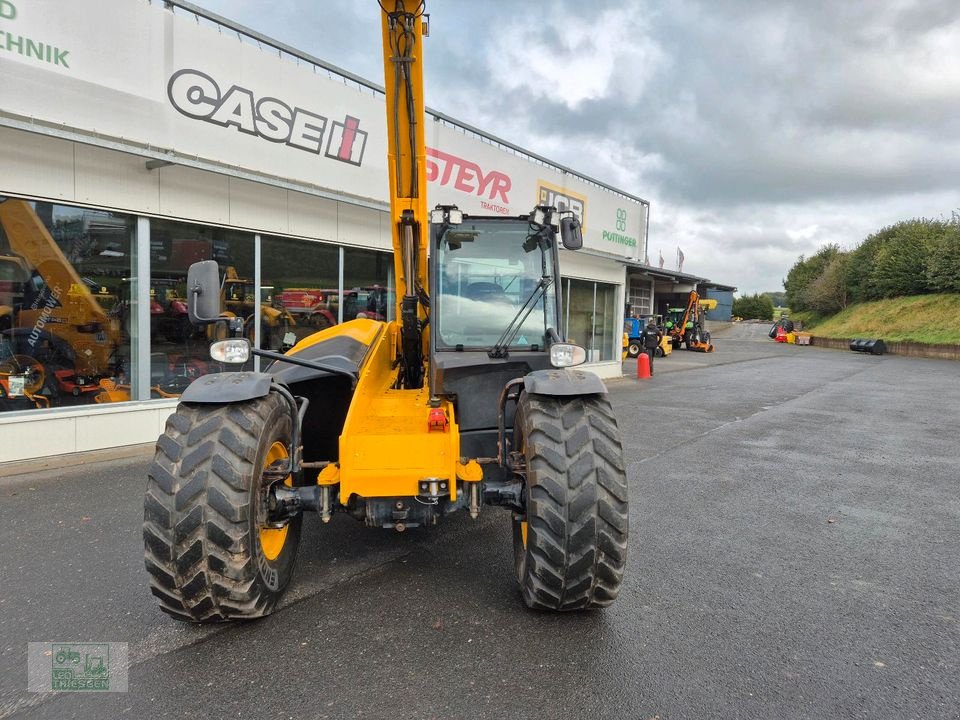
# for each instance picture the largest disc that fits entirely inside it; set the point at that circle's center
(469, 399)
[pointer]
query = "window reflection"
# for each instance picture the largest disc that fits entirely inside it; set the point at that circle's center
(180, 351)
(591, 313)
(65, 305)
(300, 278)
(368, 284)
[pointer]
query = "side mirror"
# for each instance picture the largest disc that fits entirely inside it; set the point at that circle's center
(570, 233)
(203, 292)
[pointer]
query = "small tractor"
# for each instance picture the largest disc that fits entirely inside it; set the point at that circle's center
(469, 398)
(633, 338)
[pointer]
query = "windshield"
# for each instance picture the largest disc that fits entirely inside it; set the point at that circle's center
(485, 276)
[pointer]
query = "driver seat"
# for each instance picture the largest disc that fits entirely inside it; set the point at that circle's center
(486, 292)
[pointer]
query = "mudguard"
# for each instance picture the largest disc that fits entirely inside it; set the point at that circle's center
(228, 387)
(563, 381)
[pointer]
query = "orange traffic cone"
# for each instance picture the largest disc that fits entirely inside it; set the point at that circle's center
(643, 366)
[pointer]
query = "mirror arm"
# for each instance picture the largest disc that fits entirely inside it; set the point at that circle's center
(293, 360)
(194, 291)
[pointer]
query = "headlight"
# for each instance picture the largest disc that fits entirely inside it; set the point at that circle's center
(234, 351)
(567, 355)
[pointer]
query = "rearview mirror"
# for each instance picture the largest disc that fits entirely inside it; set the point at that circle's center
(203, 292)
(570, 233)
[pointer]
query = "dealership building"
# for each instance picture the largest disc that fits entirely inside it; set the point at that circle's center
(139, 137)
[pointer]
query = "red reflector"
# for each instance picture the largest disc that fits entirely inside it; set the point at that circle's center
(437, 420)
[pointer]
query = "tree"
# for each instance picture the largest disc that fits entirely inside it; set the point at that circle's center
(912, 257)
(943, 265)
(829, 293)
(805, 272)
(896, 260)
(753, 307)
(779, 299)
(901, 261)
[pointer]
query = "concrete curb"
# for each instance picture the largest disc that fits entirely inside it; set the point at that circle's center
(73, 460)
(937, 352)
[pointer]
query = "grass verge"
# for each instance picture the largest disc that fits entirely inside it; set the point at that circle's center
(928, 319)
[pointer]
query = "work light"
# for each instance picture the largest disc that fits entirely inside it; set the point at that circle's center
(234, 351)
(567, 355)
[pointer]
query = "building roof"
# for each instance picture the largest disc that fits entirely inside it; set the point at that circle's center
(663, 273)
(676, 276)
(718, 286)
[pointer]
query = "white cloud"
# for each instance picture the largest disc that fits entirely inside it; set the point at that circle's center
(804, 233)
(570, 58)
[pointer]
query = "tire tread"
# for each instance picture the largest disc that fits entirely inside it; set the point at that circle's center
(577, 503)
(198, 551)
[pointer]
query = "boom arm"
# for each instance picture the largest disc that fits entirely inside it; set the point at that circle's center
(30, 240)
(690, 315)
(402, 26)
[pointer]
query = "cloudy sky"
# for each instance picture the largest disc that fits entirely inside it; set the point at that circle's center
(758, 130)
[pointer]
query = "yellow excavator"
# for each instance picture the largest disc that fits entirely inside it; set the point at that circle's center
(54, 313)
(469, 399)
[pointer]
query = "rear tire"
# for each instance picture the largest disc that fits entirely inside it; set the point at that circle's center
(570, 549)
(633, 350)
(203, 512)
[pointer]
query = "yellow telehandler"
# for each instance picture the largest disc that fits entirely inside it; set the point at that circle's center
(468, 398)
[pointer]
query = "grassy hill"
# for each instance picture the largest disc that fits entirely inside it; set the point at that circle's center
(933, 319)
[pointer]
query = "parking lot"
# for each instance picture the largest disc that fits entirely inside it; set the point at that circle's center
(795, 535)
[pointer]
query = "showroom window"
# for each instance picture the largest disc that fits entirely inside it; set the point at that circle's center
(300, 289)
(590, 309)
(68, 300)
(368, 289)
(66, 320)
(179, 351)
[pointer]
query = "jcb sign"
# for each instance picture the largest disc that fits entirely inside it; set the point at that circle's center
(562, 199)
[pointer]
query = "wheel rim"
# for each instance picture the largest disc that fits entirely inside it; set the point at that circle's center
(27, 366)
(273, 539)
(523, 532)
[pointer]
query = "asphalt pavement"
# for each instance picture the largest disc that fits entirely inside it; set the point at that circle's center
(794, 553)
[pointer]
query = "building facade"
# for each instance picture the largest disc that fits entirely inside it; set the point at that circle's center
(140, 137)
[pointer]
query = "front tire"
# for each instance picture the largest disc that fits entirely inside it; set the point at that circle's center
(633, 350)
(570, 548)
(209, 556)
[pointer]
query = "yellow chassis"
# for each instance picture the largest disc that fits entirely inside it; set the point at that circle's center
(387, 445)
